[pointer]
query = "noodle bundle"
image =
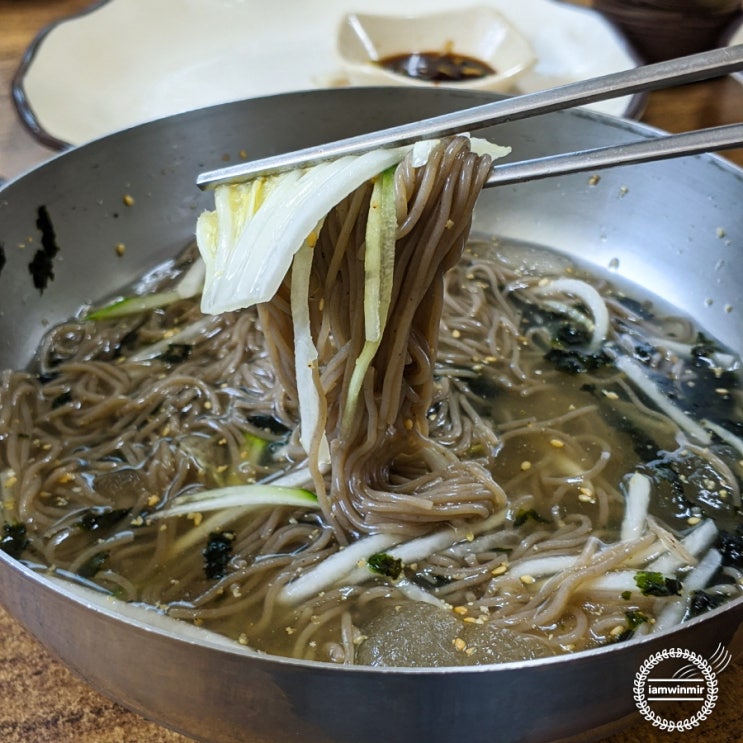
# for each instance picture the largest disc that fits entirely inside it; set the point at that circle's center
(418, 428)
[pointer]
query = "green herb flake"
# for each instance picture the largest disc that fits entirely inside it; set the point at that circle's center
(385, 564)
(634, 619)
(656, 584)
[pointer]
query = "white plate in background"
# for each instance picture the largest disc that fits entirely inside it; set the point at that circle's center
(125, 62)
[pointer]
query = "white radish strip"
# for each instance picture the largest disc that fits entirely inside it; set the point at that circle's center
(192, 282)
(590, 297)
(423, 547)
(697, 579)
(637, 375)
(541, 567)
(616, 582)
(725, 435)
(636, 507)
(703, 573)
(695, 542)
(416, 593)
(334, 568)
(671, 615)
(309, 388)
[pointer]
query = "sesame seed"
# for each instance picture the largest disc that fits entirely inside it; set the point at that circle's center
(499, 569)
(557, 443)
(528, 580)
(460, 644)
(120, 249)
(460, 610)
(693, 520)
(525, 465)
(128, 200)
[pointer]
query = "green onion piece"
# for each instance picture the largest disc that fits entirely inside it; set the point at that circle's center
(245, 497)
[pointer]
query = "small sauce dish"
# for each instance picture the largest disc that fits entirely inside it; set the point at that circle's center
(471, 48)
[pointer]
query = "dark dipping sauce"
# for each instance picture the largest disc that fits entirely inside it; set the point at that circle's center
(437, 67)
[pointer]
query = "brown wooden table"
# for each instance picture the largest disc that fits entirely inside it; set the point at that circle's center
(40, 700)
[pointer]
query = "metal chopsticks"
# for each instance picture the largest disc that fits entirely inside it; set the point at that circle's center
(692, 68)
(647, 150)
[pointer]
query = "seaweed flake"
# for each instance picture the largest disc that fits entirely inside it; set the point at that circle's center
(41, 266)
(217, 554)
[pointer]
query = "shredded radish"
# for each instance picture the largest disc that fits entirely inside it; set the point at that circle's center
(309, 389)
(695, 542)
(334, 568)
(636, 507)
(698, 578)
(639, 377)
(590, 297)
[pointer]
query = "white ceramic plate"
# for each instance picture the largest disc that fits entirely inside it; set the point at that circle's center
(128, 61)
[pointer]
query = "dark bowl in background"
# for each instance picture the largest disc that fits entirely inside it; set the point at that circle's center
(664, 29)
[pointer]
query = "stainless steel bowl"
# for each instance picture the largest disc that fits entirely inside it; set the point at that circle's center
(673, 228)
